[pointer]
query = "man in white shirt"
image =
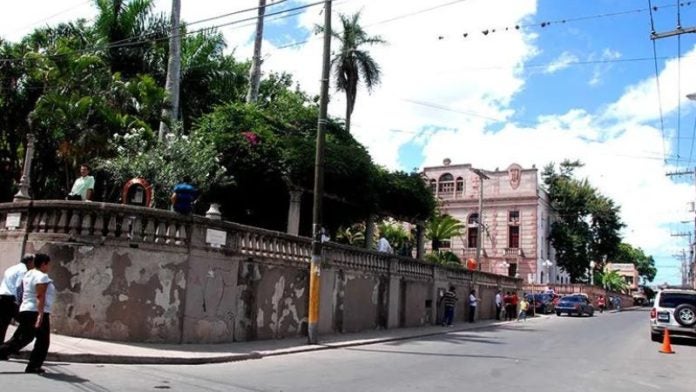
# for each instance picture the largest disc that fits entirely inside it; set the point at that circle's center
(383, 245)
(83, 188)
(10, 292)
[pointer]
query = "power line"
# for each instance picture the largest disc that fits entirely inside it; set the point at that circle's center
(657, 80)
(140, 40)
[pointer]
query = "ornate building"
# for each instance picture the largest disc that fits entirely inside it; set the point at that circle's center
(516, 219)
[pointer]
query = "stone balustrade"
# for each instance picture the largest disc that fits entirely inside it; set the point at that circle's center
(140, 274)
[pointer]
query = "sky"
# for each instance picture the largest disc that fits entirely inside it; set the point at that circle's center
(496, 82)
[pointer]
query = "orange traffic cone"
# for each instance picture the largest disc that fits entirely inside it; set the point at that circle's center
(666, 345)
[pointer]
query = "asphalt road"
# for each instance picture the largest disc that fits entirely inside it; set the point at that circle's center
(608, 352)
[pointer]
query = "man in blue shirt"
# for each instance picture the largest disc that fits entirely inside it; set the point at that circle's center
(11, 290)
(183, 196)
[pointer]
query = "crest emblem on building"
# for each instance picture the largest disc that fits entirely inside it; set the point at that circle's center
(514, 175)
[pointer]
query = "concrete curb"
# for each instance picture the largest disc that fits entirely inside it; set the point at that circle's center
(116, 359)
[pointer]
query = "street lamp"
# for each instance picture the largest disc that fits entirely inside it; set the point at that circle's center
(592, 265)
(482, 176)
(547, 265)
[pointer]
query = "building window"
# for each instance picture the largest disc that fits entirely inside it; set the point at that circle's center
(513, 229)
(472, 231)
(445, 184)
(514, 217)
(460, 184)
(446, 244)
(513, 236)
(433, 186)
(512, 269)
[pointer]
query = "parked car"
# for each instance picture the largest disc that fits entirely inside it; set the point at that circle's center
(674, 310)
(575, 304)
(541, 302)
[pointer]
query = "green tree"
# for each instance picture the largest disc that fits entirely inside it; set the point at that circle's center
(587, 223)
(441, 228)
(644, 264)
(351, 235)
(399, 238)
(352, 63)
(444, 258)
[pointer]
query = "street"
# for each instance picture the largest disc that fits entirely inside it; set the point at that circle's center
(611, 351)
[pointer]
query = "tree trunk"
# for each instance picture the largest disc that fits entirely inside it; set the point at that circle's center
(255, 71)
(171, 110)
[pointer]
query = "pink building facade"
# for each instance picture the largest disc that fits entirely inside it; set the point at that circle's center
(516, 220)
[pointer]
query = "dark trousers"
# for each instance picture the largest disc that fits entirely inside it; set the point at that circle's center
(510, 312)
(449, 315)
(498, 308)
(8, 311)
(25, 333)
(472, 312)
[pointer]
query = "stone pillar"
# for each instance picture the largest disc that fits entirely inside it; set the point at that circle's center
(393, 294)
(420, 240)
(370, 231)
(294, 212)
(25, 181)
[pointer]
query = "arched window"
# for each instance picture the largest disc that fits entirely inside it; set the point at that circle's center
(460, 184)
(445, 185)
(473, 219)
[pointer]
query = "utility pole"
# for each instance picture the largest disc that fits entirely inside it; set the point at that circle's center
(313, 313)
(255, 70)
(482, 176)
(171, 88)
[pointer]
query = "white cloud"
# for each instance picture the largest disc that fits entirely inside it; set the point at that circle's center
(601, 69)
(562, 62)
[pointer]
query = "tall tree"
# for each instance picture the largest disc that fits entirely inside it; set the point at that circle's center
(587, 223)
(353, 64)
(255, 71)
(129, 32)
(170, 111)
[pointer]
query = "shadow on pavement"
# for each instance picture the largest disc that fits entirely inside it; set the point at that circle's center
(64, 377)
(432, 354)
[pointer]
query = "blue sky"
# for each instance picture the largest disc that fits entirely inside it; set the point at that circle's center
(584, 89)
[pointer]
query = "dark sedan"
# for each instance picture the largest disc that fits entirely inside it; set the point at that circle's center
(574, 304)
(542, 303)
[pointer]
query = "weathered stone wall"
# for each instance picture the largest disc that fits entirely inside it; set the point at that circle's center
(135, 274)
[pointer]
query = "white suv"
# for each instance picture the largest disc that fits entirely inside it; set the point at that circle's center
(674, 310)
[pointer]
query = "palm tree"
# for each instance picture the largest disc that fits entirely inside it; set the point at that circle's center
(443, 227)
(353, 235)
(612, 281)
(121, 26)
(352, 64)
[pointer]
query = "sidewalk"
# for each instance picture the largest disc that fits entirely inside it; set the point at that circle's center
(70, 349)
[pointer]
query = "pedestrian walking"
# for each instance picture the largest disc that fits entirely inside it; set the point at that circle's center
(383, 245)
(498, 304)
(11, 292)
(524, 306)
(34, 315)
(449, 300)
(473, 302)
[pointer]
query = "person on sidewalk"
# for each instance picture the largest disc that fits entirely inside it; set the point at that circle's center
(449, 300)
(34, 315)
(524, 306)
(473, 303)
(498, 304)
(11, 292)
(514, 301)
(507, 300)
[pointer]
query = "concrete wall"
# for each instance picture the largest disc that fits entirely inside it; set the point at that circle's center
(142, 275)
